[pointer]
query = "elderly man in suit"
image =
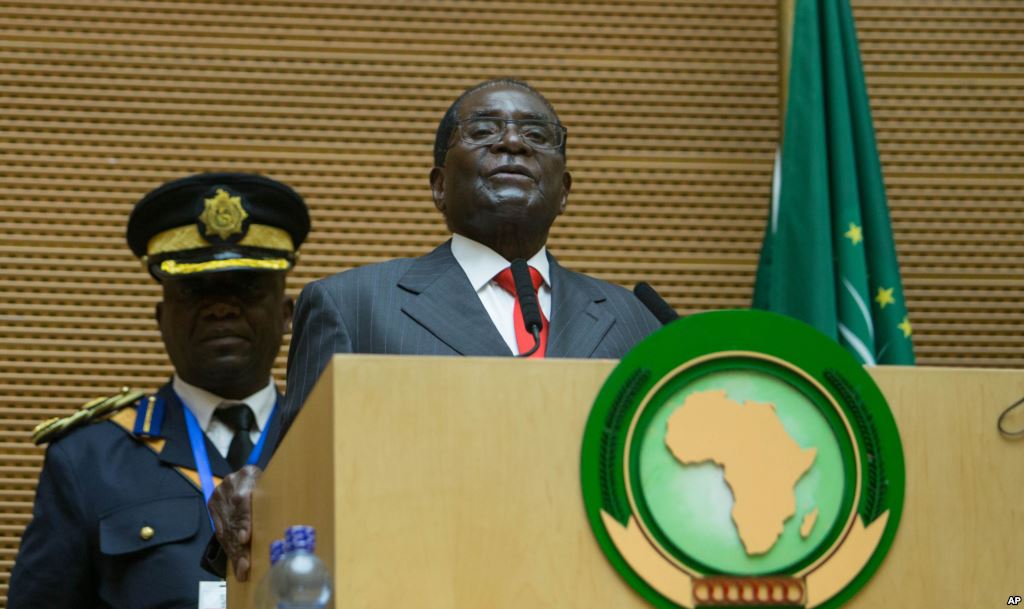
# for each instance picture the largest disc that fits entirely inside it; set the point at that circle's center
(500, 180)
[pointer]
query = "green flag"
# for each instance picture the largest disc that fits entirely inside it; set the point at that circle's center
(828, 256)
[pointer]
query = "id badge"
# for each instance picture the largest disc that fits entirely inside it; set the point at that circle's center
(213, 595)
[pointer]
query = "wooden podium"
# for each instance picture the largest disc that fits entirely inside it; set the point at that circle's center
(454, 483)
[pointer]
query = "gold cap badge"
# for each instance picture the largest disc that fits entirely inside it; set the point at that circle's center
(223, 215)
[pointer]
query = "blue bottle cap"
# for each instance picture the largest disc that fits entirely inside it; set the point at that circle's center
(300, 536)
(276, 551)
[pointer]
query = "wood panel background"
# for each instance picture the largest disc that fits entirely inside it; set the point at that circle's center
(672, 109)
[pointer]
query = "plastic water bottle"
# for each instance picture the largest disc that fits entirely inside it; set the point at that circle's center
(300, 580)
(262, 596)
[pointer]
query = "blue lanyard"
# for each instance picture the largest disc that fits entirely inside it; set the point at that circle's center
(198, 441)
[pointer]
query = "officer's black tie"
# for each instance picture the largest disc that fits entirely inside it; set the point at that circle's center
(240, 418)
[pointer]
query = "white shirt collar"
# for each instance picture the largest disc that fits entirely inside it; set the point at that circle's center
(202, 403)
(481, 263)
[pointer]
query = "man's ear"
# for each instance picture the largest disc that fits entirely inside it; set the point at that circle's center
(566, 187)
(288, 308)
(437, 188)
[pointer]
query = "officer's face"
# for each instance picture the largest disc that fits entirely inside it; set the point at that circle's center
(485, 191)
(222, 331)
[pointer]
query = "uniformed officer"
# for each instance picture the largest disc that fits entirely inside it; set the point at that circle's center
(120, 518)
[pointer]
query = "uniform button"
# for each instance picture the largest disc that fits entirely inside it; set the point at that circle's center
(146, 533)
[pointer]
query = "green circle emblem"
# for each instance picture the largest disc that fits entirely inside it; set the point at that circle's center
(740, 458)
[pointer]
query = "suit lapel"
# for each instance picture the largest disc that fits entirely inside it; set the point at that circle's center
(579, 322)
(447, 306)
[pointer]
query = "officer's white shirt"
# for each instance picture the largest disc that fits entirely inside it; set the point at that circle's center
(202, 403)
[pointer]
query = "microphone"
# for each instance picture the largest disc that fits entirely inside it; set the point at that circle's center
(661, 310)
(1013, 434)
(528, 303)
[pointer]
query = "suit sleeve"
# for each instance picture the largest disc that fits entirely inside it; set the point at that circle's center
(318, 332)
(53, 569)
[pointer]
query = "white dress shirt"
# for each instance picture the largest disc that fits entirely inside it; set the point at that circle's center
(481, 264)
(202, 403)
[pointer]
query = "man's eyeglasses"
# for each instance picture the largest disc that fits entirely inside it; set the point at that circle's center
(487, 131)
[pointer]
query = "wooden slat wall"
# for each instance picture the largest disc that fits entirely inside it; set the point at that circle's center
(671, 106)
(946, 79)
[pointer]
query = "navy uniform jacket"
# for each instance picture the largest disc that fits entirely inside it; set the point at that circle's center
(100, 485)
(427, 306)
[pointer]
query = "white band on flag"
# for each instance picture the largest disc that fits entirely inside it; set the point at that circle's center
(857, 345)
(776, 188)
(862, 306)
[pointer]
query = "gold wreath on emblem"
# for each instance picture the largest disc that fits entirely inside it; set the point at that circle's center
(223, 215)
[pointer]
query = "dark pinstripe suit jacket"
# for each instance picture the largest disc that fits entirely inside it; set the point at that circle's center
(427, 306)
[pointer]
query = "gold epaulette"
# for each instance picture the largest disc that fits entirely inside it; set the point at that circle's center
(93, 410)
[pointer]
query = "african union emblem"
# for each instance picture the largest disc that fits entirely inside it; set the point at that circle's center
(742, 459)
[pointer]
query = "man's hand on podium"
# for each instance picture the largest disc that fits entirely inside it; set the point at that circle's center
(231, 510)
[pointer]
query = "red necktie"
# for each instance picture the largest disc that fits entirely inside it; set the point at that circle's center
(523, 338)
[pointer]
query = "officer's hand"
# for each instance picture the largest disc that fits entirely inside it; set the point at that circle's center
(231, 509)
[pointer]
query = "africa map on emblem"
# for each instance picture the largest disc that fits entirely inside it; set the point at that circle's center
(760, 462)
(740, 472)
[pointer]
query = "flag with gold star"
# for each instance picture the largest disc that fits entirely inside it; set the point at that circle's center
(828, 256)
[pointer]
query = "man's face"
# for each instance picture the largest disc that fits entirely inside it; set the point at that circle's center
(509, 189)
(222, 331)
